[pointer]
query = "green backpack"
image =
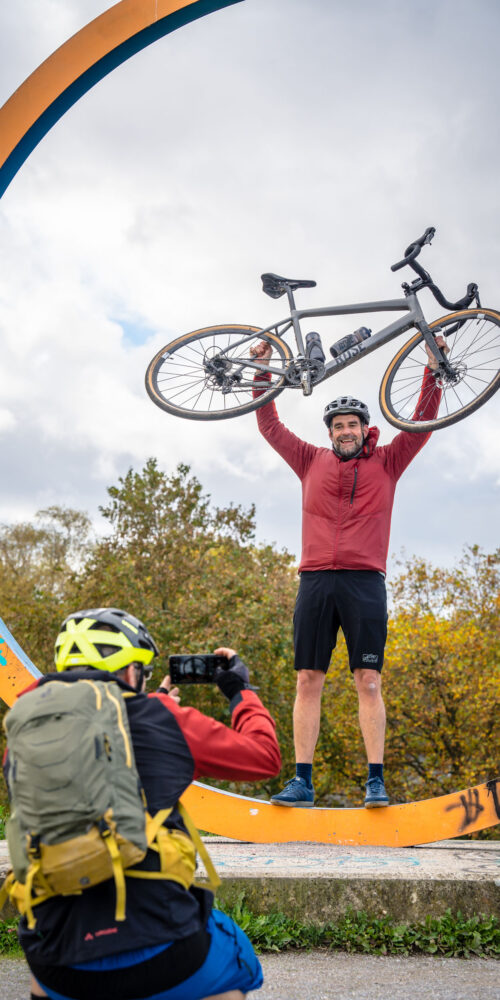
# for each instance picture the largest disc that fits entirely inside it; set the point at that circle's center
(78, 812)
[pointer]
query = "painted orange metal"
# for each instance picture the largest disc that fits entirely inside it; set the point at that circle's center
(16, 669)
(260, 822)
(82, 61)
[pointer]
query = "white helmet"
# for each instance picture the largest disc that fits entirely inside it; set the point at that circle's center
(346, 404)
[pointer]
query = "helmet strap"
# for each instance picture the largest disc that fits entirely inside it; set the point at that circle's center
(140, 682)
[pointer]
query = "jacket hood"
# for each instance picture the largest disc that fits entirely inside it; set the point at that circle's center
(371, 440)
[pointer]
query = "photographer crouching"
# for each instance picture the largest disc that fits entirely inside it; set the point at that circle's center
(163, 939)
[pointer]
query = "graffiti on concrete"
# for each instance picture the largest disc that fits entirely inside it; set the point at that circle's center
(315, 862)
(492, 787)
(470, 805)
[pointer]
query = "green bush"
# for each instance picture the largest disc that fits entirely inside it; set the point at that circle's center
(452, 936)
(9, 945)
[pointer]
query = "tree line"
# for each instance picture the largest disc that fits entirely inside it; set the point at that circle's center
(195, 575)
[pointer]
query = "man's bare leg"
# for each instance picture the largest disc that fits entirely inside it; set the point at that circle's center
(307, 714)
(36, 989)
(372, 723)
(232, 995)
(371, 713)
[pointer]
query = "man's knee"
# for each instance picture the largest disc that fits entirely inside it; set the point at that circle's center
(368, 683)
(310, 683)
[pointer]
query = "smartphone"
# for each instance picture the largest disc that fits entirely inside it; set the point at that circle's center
(195, 668)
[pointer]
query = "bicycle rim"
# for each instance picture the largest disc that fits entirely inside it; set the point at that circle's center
(473, 336)
(204, 375)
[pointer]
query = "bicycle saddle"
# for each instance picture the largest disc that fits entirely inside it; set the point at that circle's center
(276, 286)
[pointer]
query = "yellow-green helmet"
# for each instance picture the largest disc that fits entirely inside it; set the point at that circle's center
(103, 638)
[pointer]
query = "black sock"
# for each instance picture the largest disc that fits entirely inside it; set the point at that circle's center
(304, 771)
(376, 771)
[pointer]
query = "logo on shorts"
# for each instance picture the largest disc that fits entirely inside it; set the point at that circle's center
(369, 658)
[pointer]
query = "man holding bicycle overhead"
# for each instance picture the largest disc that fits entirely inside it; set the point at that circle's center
(347, 497)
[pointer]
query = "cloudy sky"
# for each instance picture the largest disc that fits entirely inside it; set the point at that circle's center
(314, 138)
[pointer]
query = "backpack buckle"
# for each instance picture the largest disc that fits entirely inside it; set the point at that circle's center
(34, 849)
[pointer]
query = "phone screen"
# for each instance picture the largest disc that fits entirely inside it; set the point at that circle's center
(195, 668)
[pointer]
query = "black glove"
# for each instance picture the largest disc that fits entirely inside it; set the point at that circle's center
(234, 678)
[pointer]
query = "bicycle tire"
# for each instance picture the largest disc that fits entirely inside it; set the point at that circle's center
(475, 352)
(198, 369)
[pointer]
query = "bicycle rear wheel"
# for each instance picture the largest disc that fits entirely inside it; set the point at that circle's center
(210, 375)
(473, 336)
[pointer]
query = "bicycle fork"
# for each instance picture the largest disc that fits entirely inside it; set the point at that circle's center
(430, 337)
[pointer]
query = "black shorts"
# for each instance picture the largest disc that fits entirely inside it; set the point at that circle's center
(355, 601)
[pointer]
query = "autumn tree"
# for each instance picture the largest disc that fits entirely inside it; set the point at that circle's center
(193, 572)
(39, 561)
(441, 686)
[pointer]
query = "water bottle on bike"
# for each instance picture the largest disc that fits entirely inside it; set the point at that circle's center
(314, 347)
(350, 341)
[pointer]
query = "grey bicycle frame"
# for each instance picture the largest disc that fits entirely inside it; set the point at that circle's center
(410, 305)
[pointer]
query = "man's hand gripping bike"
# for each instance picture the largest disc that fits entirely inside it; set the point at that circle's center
(211, 374)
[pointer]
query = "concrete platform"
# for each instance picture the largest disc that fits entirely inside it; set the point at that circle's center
(319, 882)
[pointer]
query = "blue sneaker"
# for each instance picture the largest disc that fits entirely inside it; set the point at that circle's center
(295, 793)
(376, 794)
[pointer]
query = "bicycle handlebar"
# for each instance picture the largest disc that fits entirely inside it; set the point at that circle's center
(414, 248)
(412, 252)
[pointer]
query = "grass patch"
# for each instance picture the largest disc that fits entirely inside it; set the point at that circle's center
(453, 936)
(3, 820)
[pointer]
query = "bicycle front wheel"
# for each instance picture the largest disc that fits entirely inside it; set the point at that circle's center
(210, 374)
(473, 336)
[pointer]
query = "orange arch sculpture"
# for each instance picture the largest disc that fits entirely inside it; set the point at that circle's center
(74, 68)
(260, 822)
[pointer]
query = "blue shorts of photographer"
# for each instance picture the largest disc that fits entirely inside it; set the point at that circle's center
(230, 964)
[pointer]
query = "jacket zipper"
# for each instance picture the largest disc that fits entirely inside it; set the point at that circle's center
(337, 531)
(353, 485)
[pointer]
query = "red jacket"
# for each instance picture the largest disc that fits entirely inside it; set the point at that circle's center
(347, 505)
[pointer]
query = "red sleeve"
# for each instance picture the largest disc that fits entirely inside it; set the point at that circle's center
(247, 752)
(403, 448)
(298, 454)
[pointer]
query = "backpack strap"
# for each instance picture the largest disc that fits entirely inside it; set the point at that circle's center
(177, 851)
(118, 871)
(213, 878)
(5, 889)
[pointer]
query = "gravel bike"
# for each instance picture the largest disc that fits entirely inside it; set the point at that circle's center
(211, 374)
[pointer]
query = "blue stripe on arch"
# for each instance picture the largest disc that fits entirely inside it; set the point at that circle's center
(96, 73)
(7, 638)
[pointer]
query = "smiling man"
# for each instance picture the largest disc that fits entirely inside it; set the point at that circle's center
(347, 498)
